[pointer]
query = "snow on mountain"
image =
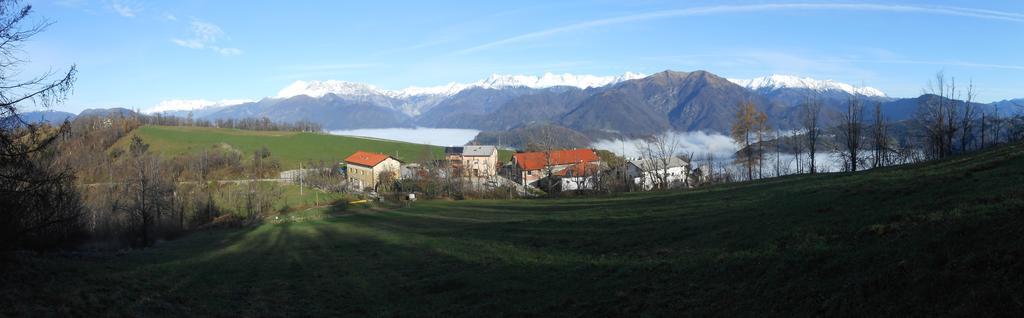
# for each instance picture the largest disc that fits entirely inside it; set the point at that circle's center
(321, 88)
(193, 104)
(552, 80)
(411, 100)
(443, 90)
(775, 81)
(495, 81)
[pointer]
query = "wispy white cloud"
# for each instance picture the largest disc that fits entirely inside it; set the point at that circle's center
(192, 44)
(725, 9)
(126, 8)
(227, 51)
(170, 17)
(205, 35)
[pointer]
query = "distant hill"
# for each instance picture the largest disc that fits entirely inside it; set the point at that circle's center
(534, 135)
(332, 111)
(103, 112)
(48, 116)
(1010, 106)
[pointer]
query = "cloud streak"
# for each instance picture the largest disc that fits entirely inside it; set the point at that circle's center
(725, 9)
(205, 35)
(125, 9)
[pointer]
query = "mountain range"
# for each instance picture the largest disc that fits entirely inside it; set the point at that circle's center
(628, 105)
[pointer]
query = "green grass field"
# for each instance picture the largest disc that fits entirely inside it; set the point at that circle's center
(291, 148)
(291, 199)
(936, 239)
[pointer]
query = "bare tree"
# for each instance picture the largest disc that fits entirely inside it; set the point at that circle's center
(36, 193)
(706, 172)
(145, 190)
(778, 153)
(983, 130)
(880, 139)
(811, 120)
(657, 153)
(950, 106)
(967, 117)
(797, 144)
(746, 130)
(761, 122)
(545, 141)
(937, 116)
(850, 131)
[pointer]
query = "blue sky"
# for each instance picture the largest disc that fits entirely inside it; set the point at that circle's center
(138, 53)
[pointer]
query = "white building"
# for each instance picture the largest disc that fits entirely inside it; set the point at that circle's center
(647, 173)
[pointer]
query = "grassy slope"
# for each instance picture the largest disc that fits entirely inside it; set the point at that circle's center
(942, 238)
(291, 198)
(290, 148)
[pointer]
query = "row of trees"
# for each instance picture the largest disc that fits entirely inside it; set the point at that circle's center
(249, 123)
(147, 196)
(949, 120)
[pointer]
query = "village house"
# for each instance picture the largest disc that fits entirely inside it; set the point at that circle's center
(479, 161)
(529, 167)
(579, 176)
(364, 168)
(646, 173)
(454, 157)
(473, 161)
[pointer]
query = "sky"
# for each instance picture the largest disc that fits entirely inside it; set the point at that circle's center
(137, 54)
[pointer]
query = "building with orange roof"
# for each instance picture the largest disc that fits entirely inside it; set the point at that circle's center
(365, 168)
(529, 167)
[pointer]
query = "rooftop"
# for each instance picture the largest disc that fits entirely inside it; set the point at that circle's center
(656, 163)
(453, 150)
(537, 160)
(368, 159)
(479, 151)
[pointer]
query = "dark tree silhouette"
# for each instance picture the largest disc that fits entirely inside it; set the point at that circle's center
(40, 207)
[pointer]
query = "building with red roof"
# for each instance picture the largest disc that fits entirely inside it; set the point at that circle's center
(364, 168)
(528, 167)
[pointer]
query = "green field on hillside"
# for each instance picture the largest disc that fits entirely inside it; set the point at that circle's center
(935, 239)
(290, 148)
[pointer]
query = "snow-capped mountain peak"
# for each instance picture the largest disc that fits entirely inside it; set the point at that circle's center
(551, 80)
(321, 88)
(495, 81)
(443, 90)
(776, 81)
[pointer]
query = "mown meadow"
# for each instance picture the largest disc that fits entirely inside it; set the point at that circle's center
(933, 239)
(290, 148)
